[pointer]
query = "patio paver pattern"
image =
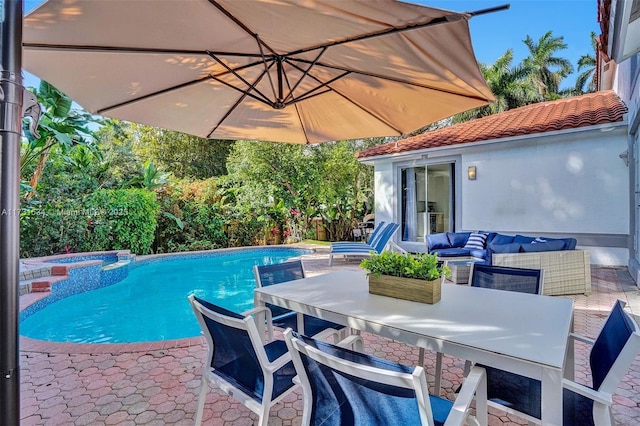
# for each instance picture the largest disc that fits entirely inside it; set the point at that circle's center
(157, 385)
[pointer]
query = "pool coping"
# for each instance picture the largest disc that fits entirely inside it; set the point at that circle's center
(29, 344)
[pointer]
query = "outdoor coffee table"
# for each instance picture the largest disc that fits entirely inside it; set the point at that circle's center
(522, 333)
(460, 269)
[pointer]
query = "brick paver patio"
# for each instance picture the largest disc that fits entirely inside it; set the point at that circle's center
(156, 385)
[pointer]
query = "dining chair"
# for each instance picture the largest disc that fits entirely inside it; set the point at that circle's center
(238, 363)
(342, 387)
(284, 318)
(498, 278)
(612, 353)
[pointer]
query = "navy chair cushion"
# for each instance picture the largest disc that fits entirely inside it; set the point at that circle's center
(508, 388)
(500, 239)
(458, 239)
(352, 400)
(614, 335)
(312, 325)
(554, 245)
(438, 241)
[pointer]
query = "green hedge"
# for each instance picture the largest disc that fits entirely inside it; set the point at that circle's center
(122, 219)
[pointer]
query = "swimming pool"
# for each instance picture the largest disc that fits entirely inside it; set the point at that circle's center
(151, 303)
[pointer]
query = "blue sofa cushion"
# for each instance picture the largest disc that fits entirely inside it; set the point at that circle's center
(569, 243)
(452, 252)
(476, 241)
(478, 254)
(458, 239)
(538, 247)
(438, 241)
(500, 239)
(523, 239)
(506, 248)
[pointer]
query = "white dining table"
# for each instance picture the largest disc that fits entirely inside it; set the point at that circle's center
(522, 333)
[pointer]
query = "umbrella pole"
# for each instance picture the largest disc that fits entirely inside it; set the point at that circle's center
(11, 99)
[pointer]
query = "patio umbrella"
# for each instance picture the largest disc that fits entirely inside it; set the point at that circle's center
(301, 71)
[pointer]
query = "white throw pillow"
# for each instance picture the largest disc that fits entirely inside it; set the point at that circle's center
(476, 241)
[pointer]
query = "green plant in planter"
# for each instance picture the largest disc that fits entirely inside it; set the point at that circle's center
(422, 266)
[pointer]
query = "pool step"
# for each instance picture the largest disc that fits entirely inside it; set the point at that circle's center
(42, 285)
(116, 265)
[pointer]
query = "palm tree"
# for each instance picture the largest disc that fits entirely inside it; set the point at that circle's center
(587, 64)
(547, 70)
(508, 84)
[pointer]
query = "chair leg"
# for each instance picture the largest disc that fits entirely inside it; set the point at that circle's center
(263, 420)
(204, 390)
(330, 259)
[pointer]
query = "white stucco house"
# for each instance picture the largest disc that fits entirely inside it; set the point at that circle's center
(618, 68)
(555, 169)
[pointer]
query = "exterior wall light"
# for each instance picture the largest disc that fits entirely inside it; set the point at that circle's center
(471, 172)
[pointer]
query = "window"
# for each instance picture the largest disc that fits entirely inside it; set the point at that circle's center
(427, 200)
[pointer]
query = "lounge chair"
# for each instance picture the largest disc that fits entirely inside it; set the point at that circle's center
(379, 243)
(238, 363)
(371, 240)
(344, 387)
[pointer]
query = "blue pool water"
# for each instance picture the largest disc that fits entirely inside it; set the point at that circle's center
(151, 303)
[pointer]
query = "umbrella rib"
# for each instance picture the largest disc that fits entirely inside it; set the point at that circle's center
(382, 120)
(434, 21)
(394, 79)
(150, 95)
(304, 74)
(168, 89)
(240, 99)
(239, 77)
(310, 93)
(241, 25)
(126, 49)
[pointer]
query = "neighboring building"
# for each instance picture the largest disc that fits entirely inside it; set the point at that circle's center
(618, 68)
(549, 169)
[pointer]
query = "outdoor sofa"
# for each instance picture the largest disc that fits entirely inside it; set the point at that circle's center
(566, 270)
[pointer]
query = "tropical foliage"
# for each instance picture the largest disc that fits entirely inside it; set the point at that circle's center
(92, 184)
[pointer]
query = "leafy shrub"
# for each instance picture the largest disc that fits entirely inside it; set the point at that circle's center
(422, 266)
(122, 219)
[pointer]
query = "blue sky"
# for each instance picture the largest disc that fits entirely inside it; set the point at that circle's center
(494, 33)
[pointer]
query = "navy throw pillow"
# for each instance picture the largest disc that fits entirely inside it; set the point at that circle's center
(538, 247)
(438, 241)
(500, 239)
(523, 239)
(458, 239)
(506, 248)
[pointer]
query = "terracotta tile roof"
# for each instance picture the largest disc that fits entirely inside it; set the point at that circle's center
(568, 113)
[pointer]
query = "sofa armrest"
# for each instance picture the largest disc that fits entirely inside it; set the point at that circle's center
(565, 271)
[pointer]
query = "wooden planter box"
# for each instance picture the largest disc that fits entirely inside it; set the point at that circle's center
(406, 288)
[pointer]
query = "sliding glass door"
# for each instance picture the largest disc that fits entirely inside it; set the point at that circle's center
(427, 200)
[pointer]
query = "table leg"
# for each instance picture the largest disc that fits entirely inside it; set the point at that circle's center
(551, 397)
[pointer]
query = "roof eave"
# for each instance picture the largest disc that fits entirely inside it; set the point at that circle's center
(464, 146)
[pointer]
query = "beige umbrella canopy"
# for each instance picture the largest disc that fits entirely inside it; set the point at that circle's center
(301, 71)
